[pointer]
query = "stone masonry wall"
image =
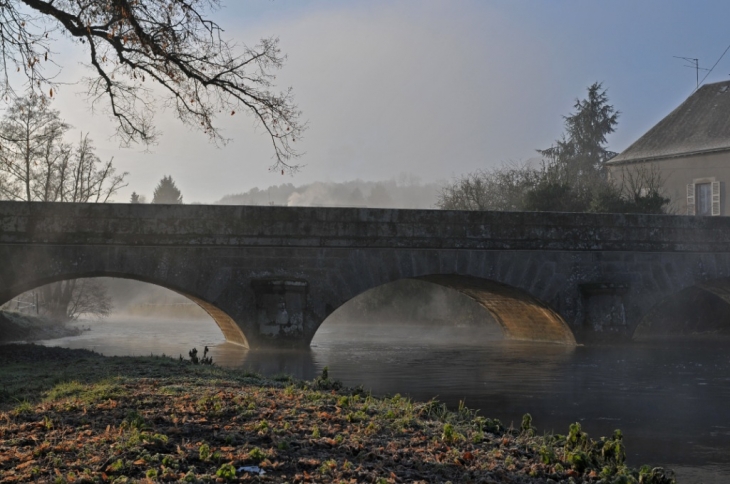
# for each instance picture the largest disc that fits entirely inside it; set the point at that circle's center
(270, 275)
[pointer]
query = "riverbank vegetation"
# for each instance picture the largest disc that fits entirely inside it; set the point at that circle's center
(76, 416)
(15, 326)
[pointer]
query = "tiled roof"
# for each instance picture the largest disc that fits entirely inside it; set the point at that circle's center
(699, 124)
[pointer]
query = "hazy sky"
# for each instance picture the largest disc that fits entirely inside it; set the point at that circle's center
(434, 88)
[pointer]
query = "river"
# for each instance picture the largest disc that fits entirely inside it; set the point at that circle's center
(671, 400)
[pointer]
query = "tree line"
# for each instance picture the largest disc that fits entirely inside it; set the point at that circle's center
(572, 176)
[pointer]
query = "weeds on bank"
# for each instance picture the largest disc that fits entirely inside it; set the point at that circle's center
(195, 360)
(201, 423)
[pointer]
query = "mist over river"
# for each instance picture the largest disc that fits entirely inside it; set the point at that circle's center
(670, 399)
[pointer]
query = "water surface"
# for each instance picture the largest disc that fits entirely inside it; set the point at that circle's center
(669, 399)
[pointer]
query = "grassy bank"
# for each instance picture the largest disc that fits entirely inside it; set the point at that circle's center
(16, 326)
(75, 416)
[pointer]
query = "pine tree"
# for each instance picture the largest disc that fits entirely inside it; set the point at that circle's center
(167, 192)
(581, 152)
(574, 172)
(134, 198)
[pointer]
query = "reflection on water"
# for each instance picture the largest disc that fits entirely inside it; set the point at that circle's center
(669, 399)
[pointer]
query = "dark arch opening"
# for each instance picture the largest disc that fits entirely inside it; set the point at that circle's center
(519, 315)
(698, 310)
(231, 331)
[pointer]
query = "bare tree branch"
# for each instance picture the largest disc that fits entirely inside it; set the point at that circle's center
(133, 44)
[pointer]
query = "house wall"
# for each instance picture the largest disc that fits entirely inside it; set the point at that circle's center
(675, 173)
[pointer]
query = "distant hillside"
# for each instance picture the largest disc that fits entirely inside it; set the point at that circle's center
(406, 192)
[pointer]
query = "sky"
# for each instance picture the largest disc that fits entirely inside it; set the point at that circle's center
(433, 88)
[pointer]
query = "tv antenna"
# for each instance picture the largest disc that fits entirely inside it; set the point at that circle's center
(695, 65)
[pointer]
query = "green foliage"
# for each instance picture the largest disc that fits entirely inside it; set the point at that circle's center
(204, 452)
(578, 460)
(227, 472)
(434, 409)
(24, 407)
(134, 421)
(450, 435)
(117, 466)
(256, 454)
(656, 475)
(327, 466)
(547, 454)
(526, 425)
(613, 451)
(323, 381)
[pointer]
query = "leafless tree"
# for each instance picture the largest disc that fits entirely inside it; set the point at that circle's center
(31, 134)
(501, 188)
(640, 180)
(135, 45)
(37, 164)
(645, 185)
(68, 300)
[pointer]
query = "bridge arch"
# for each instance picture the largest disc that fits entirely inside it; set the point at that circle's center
(231, 331)
(702, 308)
(520, 315)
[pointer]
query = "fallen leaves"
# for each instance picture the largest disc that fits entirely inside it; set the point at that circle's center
(296, 432)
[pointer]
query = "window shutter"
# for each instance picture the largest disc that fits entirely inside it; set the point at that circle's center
(690, 199)
(715, 198)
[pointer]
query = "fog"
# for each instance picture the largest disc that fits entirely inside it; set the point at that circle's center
(406, 311)
(413, 312)
(132, 298)
(406, 191)
(428, 87)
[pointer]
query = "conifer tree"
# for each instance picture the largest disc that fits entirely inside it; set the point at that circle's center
(581, 152)
(167, 192)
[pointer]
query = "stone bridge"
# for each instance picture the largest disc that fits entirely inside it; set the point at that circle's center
(269, 276)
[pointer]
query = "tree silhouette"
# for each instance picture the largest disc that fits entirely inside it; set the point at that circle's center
(582, 152)
(144, 50)
(167, 192)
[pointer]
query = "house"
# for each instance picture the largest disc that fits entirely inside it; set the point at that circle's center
(688, 152)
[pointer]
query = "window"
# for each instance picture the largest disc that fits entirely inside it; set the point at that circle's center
(703, 197)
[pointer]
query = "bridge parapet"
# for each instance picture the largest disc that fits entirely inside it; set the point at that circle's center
(256, 226)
